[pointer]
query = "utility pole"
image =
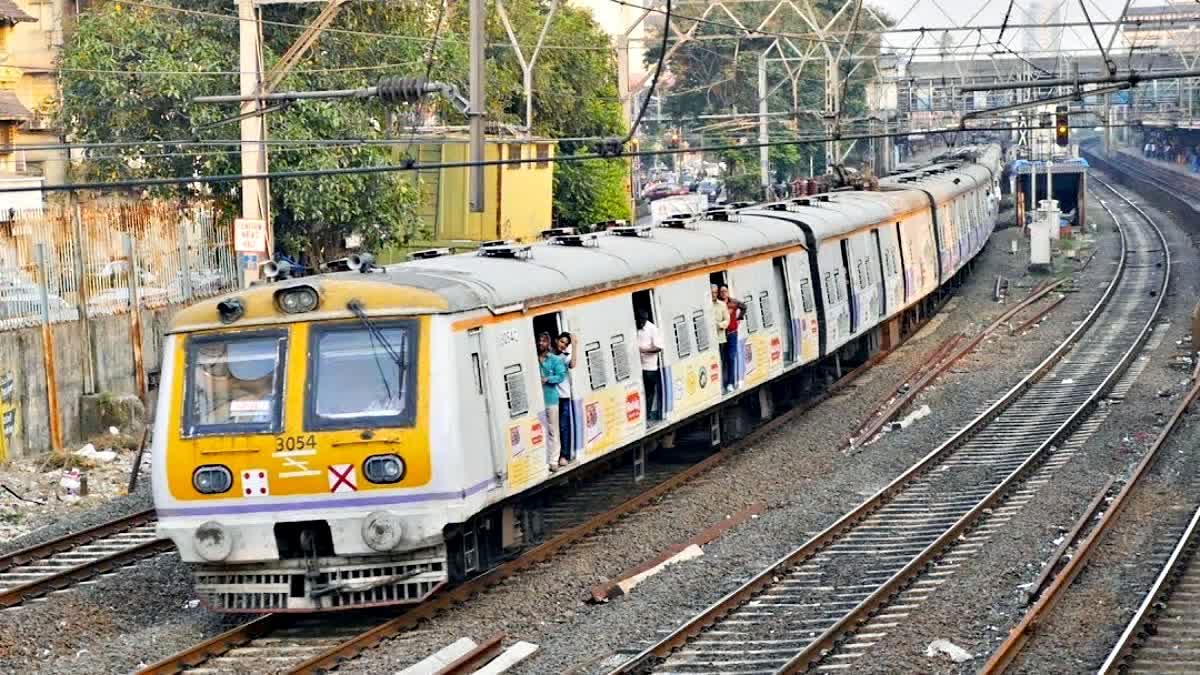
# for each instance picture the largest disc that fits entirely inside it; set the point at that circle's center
(764, 152)
(255, 191)
(478, 28)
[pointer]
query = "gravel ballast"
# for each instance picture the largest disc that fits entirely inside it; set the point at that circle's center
(984, 598)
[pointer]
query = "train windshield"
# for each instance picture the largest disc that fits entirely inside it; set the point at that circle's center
(234, 383)
(363, 375)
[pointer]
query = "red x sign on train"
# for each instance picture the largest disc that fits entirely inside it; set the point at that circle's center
(342, 479)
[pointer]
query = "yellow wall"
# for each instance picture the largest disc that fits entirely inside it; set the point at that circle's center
(517, 199)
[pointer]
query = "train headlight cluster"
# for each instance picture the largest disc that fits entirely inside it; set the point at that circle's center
(384, 468)
(297, 300)
(212, 479)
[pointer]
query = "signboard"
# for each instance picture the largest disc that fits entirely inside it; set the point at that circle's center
(250, 235)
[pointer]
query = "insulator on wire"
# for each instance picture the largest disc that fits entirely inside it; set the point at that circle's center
(401, 89)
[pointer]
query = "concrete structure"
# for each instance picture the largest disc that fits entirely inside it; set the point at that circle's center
(520, 196)
(1069, 185)
(23, 384)
(1174, 24)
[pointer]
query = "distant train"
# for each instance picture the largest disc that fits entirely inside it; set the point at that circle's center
(363, 438)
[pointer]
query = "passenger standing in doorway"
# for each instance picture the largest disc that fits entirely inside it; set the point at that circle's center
(737, 312)
(553, 371)
(566, 403)
(721, 317)
(649, 345)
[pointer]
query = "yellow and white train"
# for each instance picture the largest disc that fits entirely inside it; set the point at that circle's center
(357, 439)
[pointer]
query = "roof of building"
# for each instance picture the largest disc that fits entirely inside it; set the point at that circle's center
(11, 108)
(10, 13)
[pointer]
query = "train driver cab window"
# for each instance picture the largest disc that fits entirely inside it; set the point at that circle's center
(362, 376)
(234, 383)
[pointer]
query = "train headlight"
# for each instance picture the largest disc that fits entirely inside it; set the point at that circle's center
(384, 468)
(212, 479)
(213, 542)
(382, 530)
(297, 300)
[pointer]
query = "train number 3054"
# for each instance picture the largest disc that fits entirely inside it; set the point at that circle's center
(289, 443)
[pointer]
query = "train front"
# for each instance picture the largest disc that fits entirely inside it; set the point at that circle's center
(292, 461)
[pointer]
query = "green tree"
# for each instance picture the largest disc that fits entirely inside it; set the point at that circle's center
(130, 73)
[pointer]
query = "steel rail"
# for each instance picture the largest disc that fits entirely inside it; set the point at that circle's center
(86, 570)
(815, 649)
(875, 424)
(476, 658)
(1154, 600)
(216, 645)
(75, 539)
(1012, 645)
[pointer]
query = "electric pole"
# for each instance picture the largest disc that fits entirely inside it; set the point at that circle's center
(255, 191)
(478, 28)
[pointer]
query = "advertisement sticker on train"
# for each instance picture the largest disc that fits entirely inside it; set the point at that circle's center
(633, 405)
(514, 441)
(593, 427)
(536, 435)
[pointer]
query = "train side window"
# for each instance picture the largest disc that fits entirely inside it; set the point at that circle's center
(829, 294)
(514, 391)
(477, 371)
(837, 285)
(806, 298)
(701, 328)
(753, 320)
(597, 368)
(620, 358)
(764, 306)
(683, 337)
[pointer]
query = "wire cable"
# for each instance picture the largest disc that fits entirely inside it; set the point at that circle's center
(396, 168)
(662, 58)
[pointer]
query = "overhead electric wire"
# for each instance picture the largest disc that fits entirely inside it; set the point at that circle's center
(662, 58)
(396, 168)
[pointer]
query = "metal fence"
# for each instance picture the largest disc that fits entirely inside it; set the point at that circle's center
(97, 252)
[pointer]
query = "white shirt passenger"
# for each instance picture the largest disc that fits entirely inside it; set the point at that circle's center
(564, 387)
(647, 337)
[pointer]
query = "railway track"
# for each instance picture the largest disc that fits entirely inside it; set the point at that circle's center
(64, 562)
(1163, 636)
(297, 646)
(788, 617)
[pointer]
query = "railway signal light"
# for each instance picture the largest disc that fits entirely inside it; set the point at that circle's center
(1062, 129)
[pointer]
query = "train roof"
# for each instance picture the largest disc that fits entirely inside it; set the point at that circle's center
(552, 271)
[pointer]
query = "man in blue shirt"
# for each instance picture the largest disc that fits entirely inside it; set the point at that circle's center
(553, 371)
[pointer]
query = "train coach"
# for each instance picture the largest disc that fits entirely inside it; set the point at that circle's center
(363, 438)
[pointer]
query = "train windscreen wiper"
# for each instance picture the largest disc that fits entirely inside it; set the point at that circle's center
(375, 334)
